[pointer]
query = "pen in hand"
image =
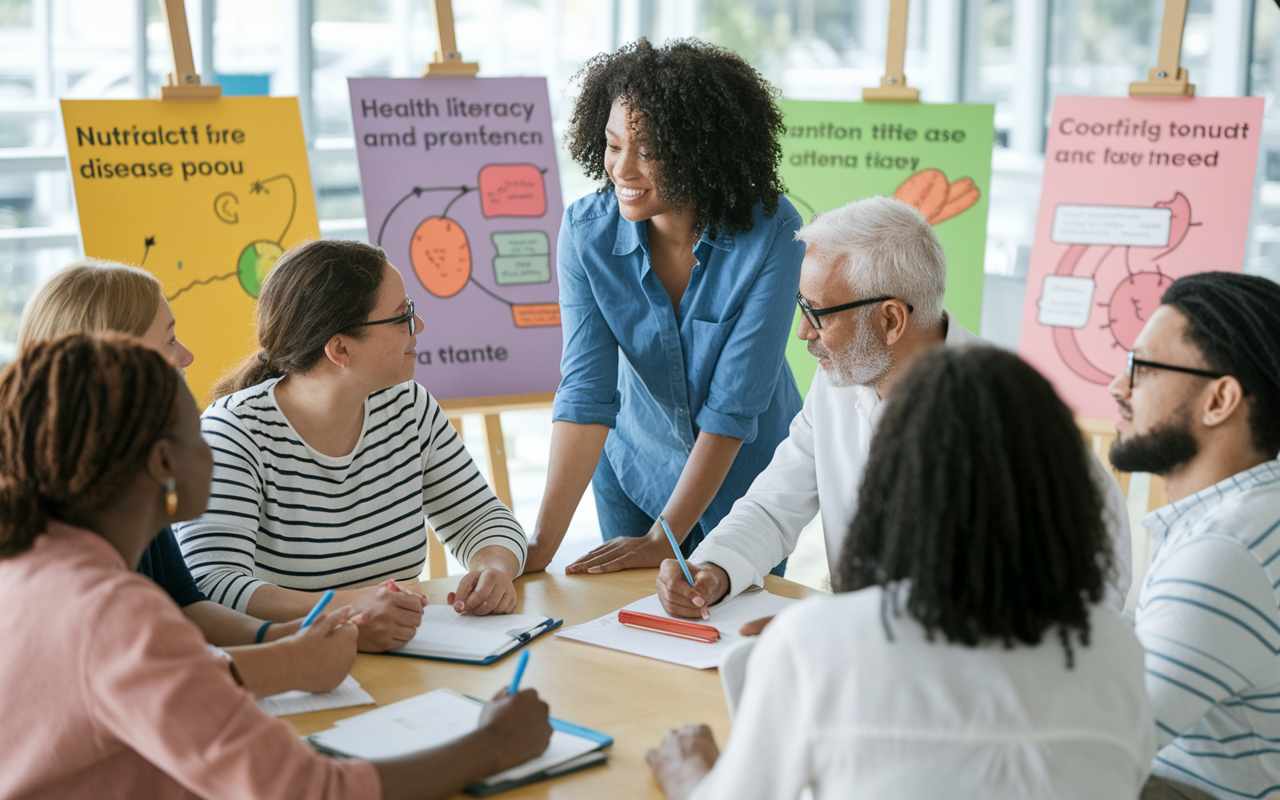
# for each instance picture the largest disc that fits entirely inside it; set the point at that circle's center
(520, 665)
(684, 566)
(316, 609)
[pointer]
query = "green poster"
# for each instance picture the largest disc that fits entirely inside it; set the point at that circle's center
(936, 157)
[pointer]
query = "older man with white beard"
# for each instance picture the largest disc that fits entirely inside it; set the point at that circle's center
(871, 290)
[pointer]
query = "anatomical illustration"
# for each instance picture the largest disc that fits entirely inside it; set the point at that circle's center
(1110, 279)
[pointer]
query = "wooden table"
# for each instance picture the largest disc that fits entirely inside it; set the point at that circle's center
(633, 699)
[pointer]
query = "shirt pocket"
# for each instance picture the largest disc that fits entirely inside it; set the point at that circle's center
(709, 338)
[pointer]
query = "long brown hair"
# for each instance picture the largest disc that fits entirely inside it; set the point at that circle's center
(78, 417)
(91, 296)
(317, 289)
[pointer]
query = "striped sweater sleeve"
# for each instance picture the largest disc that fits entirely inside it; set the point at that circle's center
(220, 545)
(1209, 625)
(460, 506)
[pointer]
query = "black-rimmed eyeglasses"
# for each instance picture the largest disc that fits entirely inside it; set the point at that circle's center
(1135, 362)
(814, 315)
(405, 317)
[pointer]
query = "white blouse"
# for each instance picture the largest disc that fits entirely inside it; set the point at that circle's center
(832, 705)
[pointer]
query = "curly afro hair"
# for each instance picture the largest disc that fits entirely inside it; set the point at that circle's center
(707, 119)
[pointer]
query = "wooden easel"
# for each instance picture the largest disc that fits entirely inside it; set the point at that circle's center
(448, 63)
(184, 81)
(1167, 78)
(893, 84)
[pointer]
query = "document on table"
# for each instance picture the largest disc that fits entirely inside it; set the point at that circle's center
(434, 718)
(726, 617)
(348, 693)
(447, 635)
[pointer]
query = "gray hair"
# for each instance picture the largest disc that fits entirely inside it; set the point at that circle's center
(886, 247)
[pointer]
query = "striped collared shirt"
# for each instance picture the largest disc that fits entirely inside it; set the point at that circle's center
(1209, 619)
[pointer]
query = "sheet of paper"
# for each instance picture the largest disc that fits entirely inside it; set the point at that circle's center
(348, 693)
(429, 720)
(727, 618)
(447, 633)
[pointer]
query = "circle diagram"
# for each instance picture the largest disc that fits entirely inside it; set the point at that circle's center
(256, 261)
(441, 256)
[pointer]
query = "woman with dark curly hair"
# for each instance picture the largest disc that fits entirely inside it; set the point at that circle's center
(967, 651)
(677, 286)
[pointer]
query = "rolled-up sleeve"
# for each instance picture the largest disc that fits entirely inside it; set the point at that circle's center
(742, 384)
(588, 390)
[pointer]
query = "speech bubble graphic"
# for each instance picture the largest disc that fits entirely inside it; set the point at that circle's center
(512, 190)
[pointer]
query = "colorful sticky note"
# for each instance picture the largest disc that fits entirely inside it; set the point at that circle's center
(935, 156)
(1137, 192)
(204, 195)
(461, 189)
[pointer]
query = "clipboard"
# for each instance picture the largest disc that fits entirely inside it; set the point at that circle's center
(516, 643)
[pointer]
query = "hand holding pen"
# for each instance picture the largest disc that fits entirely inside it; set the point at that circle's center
(687, 590)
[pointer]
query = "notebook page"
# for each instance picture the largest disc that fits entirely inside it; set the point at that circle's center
(348, 693)
(446, 632)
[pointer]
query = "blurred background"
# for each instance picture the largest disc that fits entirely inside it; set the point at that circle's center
(1017, 54)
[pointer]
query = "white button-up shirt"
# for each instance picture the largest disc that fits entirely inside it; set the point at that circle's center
(819, 467)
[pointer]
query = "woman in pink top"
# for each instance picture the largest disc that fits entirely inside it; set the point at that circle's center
(108, 691)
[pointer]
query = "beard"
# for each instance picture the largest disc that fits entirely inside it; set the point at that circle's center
(1160, 450)
(865, 362)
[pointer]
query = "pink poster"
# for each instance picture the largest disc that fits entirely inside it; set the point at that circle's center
(1137, 192)
(461, 189)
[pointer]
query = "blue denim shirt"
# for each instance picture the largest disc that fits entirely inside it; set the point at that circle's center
(658, 375)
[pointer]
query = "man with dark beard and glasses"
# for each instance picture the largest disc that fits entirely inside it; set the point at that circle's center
(1200, 406)
(871, 291)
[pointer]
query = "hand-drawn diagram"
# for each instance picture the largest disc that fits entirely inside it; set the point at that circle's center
(256, 258)
(930, 192)
(1116, 250)
(440, 251)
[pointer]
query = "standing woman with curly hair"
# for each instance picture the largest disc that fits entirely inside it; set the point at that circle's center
(677, 285)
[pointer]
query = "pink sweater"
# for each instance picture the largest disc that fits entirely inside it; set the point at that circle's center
(107, 691)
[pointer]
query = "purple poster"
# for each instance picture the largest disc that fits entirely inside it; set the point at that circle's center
(461, 189)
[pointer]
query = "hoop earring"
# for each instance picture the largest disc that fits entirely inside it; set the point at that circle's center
(170, 496)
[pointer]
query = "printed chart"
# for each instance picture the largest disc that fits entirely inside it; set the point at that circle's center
(461, 190)
(1136, 194)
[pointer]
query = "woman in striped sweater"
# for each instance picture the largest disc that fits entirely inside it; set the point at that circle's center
(329, 459)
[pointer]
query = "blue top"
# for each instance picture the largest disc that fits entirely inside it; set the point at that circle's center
(659, 375)
(162, 562)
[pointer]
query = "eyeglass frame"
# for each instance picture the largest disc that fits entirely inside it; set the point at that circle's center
(1133, 362)
(405, 317)
(814, 315)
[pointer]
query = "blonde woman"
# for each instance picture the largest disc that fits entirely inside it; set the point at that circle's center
(96, 296)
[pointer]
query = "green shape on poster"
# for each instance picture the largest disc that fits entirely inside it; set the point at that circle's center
(936, 156)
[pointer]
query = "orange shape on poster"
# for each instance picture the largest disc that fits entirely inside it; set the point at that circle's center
(512, 190)
(536, 315)
(441, 256)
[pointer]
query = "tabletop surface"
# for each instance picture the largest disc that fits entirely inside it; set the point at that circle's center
(633, 699)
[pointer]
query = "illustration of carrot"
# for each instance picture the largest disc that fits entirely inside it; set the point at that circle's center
(929, 191)
(926, 190)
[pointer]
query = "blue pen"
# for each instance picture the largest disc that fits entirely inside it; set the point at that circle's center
(671, 537)
(520, 665)
(315, 612)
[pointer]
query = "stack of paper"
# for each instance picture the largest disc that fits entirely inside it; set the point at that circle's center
(431, 719)
(726, 617)
(348, 693)
(449, 636)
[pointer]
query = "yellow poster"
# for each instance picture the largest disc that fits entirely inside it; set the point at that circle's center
(205, 195)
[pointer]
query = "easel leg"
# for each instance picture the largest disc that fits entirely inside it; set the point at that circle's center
(498, 478)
